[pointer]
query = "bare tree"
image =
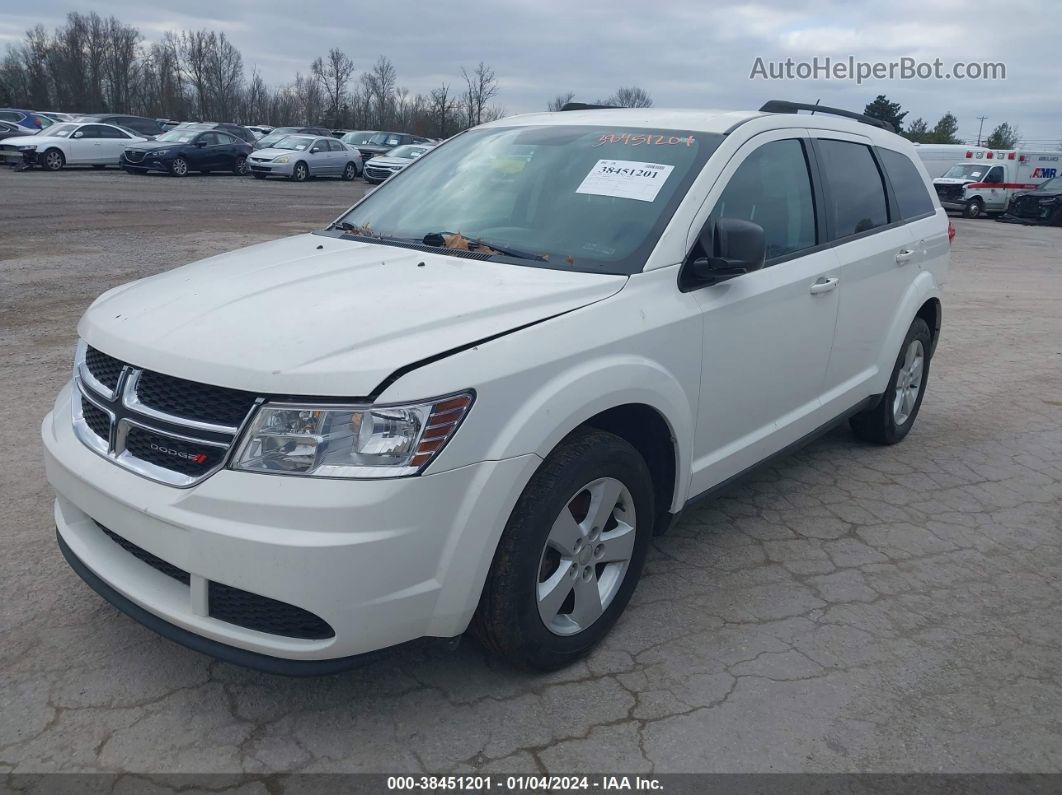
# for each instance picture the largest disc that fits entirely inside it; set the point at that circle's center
(334, 73)
(224, 76)
(380, 84)
(560, 101)
(194, 46)
(628, 97)
(440, 107)
(481, 86)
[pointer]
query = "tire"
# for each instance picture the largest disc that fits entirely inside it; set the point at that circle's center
(239, 167)
(179, 167)
(53, 160)
(894, 415)
(98, 167)
(974, 209)
(258, 176)
(350, 171)
(300, 173)
(511, 619)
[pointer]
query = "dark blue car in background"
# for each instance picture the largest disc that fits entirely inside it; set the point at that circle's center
(180, 151)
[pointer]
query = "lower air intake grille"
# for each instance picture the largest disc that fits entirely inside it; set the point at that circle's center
(260, 613)
(158, 564)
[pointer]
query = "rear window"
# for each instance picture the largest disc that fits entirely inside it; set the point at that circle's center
(907, 185)
(856, 200)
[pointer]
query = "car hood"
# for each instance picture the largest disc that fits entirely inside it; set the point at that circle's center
(317, 315)
(401, 162)
(269, 152)
(35, 140)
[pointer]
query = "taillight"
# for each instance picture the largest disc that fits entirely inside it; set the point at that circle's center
(951, 232)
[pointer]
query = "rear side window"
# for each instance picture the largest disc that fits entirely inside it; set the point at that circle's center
(772, 188)
(907, 184)
(856, 199)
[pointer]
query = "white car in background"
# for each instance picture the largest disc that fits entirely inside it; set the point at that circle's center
(380, 168)
(69, 144)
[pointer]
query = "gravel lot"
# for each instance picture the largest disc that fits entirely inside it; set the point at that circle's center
(850, 608)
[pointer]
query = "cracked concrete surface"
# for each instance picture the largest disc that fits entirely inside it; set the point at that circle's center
(850, 608)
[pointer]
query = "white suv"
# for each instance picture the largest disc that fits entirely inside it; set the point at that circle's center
(473, 399)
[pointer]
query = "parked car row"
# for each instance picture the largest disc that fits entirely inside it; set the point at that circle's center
(296, 153)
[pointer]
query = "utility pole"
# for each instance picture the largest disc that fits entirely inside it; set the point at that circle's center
(980, 127)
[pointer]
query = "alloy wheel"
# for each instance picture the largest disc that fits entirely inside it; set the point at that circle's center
(180, 167)
(53, 161)
(908, 382)
(586, 556)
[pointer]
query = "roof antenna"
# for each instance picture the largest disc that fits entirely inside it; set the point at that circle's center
(817, 101)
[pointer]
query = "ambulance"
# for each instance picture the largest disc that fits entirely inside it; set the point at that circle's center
(986, 181)
(938, 158)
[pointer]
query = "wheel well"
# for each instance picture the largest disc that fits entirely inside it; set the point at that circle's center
(930, 312)
(646, 430)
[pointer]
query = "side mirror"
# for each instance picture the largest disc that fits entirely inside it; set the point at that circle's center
(79, 134)
(200, 142)
(314, 151)
(737, 247)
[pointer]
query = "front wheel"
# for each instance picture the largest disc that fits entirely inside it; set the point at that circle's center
(974, 209)
(891, 420)
(239, 168)
(571, 554)
(300, 173)
(53, 160)
(179, 167)
(350, 172)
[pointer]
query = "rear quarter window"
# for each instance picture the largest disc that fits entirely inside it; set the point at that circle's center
(907, 184)
(856, 199)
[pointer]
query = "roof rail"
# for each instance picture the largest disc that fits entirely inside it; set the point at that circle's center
(586, 106)
(782, 106)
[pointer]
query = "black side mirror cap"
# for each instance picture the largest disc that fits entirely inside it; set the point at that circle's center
(738, 247)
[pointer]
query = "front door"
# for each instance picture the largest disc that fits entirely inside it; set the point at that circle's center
(767, 334)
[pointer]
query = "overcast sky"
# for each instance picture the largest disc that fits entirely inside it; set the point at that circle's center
(686, 53)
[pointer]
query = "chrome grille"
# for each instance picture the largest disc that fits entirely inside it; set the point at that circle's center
(164, 428)
(134, 156)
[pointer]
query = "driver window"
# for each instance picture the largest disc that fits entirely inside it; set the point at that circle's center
(995, 175)
(772, 188)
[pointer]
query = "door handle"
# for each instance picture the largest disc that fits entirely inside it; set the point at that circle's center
(824, 285)
(903, 256)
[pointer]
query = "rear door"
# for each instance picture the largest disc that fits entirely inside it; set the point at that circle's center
(113, 143)
(876, 255)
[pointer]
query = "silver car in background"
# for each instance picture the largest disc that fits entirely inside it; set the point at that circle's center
(380, 168)
(299, 157)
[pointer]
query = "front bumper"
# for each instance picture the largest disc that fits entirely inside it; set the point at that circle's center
(269, 167)
(149, 163)
(382, 562)
(954, 204)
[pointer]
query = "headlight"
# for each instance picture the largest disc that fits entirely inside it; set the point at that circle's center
(281, 159)
(331, 441)
(160, 152)
(28, 148)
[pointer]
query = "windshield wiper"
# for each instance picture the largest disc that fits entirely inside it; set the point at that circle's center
(438, 240)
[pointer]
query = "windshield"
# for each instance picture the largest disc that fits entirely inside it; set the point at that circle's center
(967, 171)
(297, 142)
(384, 139)
(178, 136)
(408, 152)
(62, 130)
(1052, 185)
(356, 138)
(569, 197)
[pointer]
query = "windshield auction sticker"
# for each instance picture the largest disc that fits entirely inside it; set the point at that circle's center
(625, 179)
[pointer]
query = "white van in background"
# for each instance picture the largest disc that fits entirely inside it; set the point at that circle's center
(985, 181)
(938, 158)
